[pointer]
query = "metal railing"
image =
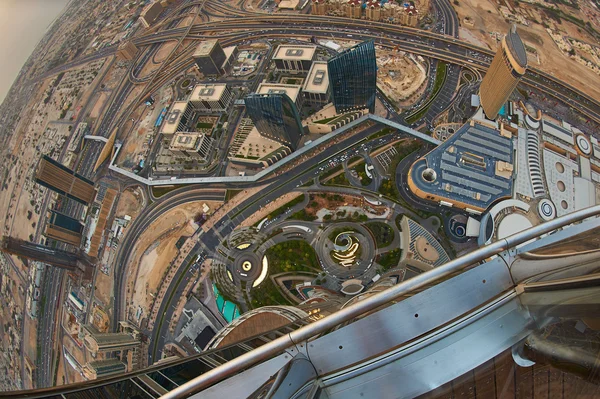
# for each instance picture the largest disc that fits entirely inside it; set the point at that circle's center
(371, 303)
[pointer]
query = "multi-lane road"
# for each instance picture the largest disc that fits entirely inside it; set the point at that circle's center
(255, 25)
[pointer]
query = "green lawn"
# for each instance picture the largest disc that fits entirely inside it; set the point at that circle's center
(231, 193)
(362, 175)
(339, 180)
(279, 211)
(383, 233)
(204, 125)
(390, 259)
(380, 133)
(330, 172)
(325, 121)
(302, 215)
(287, 256)
(337, 231)
(159, 191)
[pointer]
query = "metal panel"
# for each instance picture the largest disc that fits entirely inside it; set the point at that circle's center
(524, 265)
(372, 303)
(300, 372)
(240, 385)
(410, 318)
(439, 362)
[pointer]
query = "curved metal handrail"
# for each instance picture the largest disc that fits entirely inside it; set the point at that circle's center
(268, 350)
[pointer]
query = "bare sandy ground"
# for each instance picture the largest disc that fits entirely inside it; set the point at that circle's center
(102, 97)
(552, 60)
(156, 249)
(130, 202)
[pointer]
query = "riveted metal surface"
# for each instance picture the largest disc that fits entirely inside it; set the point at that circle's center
(300, 372)
(440, 360)
(240, 385)
(392, 326)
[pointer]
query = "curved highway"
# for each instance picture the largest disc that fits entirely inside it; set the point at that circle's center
(245, 25)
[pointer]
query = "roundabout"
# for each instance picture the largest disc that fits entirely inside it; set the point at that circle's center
(345, 250)
(247, 265)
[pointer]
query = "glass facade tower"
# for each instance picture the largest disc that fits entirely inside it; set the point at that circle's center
(276, 116)
(353, 78)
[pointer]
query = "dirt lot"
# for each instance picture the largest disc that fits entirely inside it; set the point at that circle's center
(100, 101)
(156, 249)
(399, 76)
(137, 142)
(104, 287)
(100, 319)
(487, 18)
(130, 202)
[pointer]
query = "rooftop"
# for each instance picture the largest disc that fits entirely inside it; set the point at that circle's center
(317, 80)
(294, 52)
(470, 167)
(292, 91)
(420, 245)
(205, 47)
(516, 47)
(174, 117)
(185, 140)
(288, 4)
(208, 92)
(557, 131)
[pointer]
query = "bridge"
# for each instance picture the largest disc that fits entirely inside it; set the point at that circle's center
(277, 165)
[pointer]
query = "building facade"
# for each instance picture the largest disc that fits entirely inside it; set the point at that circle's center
(276, 116)
(294, 58)
(211, 97)
(127, 51)
(150, 14)
(353, 78)
(210, 57)
(64, 228)
(373, 10)
(103, 368)
(507, 68)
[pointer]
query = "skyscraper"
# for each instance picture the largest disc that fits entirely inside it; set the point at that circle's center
(64, 228)
(210, 57)
(353, 78)
(276, 116)
(60, 179)
(505, 72)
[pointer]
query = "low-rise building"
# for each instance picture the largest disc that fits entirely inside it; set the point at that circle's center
(176, 119)
(195, 146)
(211, 97)
(471, 170)
(419, 248)
(294, 58)
(316, 86)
